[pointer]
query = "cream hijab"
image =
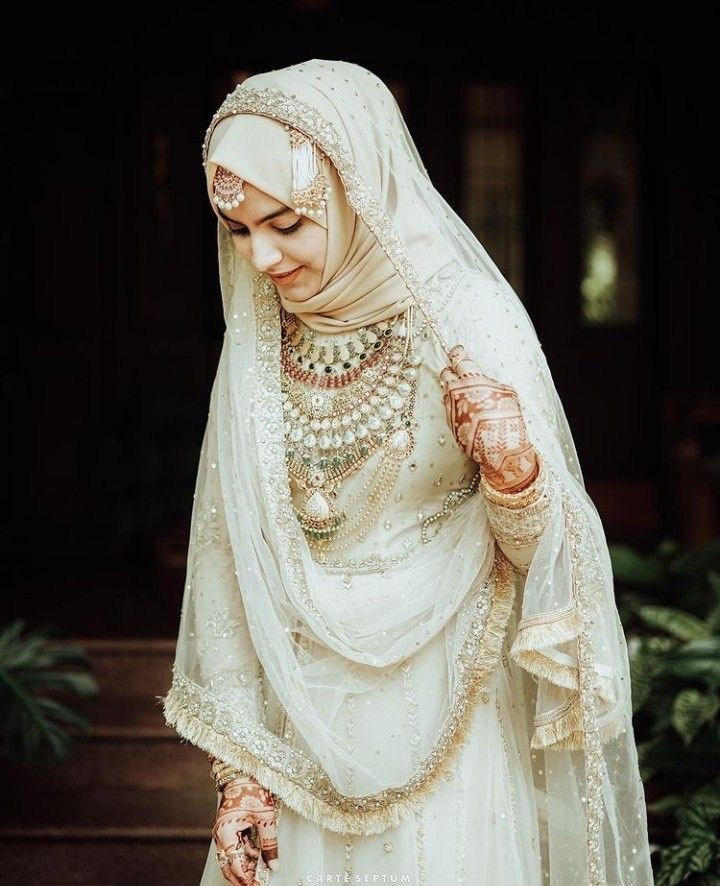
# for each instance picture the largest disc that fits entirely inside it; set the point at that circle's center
(359, 284)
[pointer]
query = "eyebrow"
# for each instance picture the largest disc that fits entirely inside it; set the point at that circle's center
(262, 220)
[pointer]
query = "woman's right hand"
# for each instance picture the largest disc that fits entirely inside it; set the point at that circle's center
(246, 808)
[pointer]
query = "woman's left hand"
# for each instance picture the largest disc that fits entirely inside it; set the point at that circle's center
(487, 422)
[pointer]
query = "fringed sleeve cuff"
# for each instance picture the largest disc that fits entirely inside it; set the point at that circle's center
(555, 645)
(518, 519)
(537, 649)
(564, 727)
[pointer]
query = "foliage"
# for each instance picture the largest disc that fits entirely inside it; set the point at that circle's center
(671, 615)
(35, 726)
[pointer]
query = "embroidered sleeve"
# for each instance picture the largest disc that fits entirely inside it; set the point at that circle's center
(518, 519)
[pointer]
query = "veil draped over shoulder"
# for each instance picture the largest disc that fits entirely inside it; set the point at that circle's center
(255, 600)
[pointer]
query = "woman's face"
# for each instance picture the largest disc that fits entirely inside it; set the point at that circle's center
(275, 240)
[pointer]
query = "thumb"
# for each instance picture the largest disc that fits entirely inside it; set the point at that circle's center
(268, 837)
(447, 374)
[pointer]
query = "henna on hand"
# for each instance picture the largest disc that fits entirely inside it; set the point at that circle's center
(245, 828)
(485, 418)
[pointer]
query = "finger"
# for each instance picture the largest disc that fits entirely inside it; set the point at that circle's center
(229, 876)
(244, 865)
(447, 375)
(455, 354)
(268, 835)
(465, 366)
(225, 870)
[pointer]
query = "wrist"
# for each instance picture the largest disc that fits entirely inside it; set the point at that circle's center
(224, 773)
(518, 519)
(520, 492)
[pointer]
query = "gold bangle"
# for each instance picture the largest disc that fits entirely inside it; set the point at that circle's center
(516, 500)
(521, 527)
(225, 780)
(222, 773)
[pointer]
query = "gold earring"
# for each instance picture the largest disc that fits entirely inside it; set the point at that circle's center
(227, 189)
(310, 186)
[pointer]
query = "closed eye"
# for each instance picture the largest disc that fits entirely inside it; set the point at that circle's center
(243, 232)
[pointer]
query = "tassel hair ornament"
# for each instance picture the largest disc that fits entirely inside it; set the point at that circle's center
(310, 186)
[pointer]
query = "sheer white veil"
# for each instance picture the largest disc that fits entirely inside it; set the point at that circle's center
(255, 601)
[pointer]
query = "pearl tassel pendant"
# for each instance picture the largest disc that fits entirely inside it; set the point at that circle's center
(310, 186)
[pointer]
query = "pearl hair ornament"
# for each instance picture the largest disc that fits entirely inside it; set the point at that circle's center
(310, 186)
(227, 189)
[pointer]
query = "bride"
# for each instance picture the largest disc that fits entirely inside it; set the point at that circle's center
(399, 642)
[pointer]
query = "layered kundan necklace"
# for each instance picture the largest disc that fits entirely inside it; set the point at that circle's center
(345, 397)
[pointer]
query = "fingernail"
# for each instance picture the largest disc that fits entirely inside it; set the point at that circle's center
(274, 864)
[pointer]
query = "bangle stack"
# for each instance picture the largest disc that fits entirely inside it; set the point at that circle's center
(519, 499)
(518, 519)
(223, 773)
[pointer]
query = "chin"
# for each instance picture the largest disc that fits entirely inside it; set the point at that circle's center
(295, 295)
(299, 293)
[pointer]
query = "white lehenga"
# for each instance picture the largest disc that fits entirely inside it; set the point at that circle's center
(263, 620)
(480, 827)
(480, 824)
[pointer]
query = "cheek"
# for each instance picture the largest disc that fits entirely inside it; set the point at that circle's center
(315, 247)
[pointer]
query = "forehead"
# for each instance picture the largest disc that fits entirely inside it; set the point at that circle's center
(256, 216)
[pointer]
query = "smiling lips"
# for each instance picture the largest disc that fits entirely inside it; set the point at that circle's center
(285, 278)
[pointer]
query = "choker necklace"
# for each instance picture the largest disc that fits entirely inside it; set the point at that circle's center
(333, 360)
(333, 428)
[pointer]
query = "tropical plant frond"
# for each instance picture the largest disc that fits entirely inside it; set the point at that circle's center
(35, 728)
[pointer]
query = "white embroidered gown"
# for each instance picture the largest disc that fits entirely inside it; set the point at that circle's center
(480, 826)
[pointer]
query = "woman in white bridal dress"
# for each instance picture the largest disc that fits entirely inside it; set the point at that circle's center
(399, 642)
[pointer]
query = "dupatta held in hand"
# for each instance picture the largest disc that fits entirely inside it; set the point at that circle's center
(256, 602)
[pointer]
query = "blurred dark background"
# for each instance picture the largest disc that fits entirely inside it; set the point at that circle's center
(577, 147)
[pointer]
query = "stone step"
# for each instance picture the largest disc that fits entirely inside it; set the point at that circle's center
(104, 861)
(108, 813)
(134, 804)
(102, 765)
(131, 676)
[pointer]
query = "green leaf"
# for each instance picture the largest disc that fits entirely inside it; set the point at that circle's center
(713, 619)
(35, 729)
(696, 660)
(691, 709)
(645, 666)
(675, 622)
(693, 854)
(11, 633)
(63, 714)
(698, 560)
(705, 802)
(667, 804)
(78, 682)
(631, 568)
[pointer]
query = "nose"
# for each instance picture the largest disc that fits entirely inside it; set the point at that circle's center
(265, 255)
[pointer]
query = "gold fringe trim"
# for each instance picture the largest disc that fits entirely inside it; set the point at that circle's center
(540, 665)
(565, 731)
(561, 728)
(548, 629)
(544, 631)
(373, 813)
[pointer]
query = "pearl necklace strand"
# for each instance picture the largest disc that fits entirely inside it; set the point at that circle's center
(333, 427)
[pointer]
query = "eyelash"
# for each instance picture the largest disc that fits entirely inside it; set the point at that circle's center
(243, 232)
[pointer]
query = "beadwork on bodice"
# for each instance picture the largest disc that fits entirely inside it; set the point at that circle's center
(373, 466)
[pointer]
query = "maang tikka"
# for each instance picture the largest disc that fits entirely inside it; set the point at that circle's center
(227, 188)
